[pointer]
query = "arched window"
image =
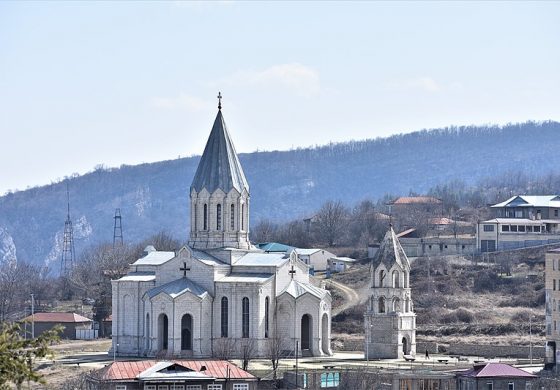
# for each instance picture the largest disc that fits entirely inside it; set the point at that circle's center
(405, 279)
(266, 311)
(205, 217)
(232, 217)
(396, 279)
(381, 278)
(245, 318)
(396, 304)
(219, 217)
(381, 304)
(224, 317)
(407, 305)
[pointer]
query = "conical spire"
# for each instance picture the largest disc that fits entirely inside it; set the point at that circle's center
(219, 166)
(391, 252)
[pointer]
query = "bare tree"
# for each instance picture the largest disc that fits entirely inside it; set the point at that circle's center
(264, 231)
(330, 222)
(223, 348)
(248, 349)
(275, 349)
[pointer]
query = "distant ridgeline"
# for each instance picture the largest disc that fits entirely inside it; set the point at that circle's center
(284, 184)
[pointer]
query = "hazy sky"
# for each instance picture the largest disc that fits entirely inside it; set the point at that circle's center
(85, 83)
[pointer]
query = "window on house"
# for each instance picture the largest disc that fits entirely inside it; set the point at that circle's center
(556, 212)
(518, 214)
(120, 387)
(182, 387)
(521, 228)
(528, 228)
(219, 217)
(489, 386)
(245, 318)
(214, 387)
(440, 247)
(149, 387)
(511, 386)
(232, 217)
(537, 229)
(330, 379)
(163, 387)
(191, 387)
(224, 317)
(513, 228)
(240, 386)
(488, 228)
(505, 228)
(462, 247)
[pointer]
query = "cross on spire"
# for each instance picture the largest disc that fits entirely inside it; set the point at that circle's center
(184, 269)
(219, 100)
(292, 272)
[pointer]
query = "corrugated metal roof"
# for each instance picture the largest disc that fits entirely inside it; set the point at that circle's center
(245, 278)
(417, 200)
(516, 221)
(219, 166)
(255, 259)
(274, 247)
(178, 287)
(155, 258)
(129, 370)
(57, 317)
(496, 370)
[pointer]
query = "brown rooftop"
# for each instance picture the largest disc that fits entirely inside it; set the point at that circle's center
(57, 317)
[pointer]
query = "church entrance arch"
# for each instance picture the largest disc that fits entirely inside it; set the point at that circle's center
(405, 346)
(325, 334)
(186, 333)
(306, 336)
(163, 332)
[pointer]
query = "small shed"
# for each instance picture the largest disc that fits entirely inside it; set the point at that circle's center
(340, 264)
(71, 322)
(315, 258)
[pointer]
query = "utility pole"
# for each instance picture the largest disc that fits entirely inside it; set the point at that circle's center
(531, 338)
(117, 229)
(297, 353)
(32, 317)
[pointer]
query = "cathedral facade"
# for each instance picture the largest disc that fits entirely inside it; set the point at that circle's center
(219, 296)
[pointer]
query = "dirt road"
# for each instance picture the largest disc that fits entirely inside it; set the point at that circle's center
(351, 297)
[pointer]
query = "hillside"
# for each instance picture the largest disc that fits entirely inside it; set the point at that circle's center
(284, 184)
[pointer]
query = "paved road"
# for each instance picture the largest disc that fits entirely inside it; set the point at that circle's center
(351, 297)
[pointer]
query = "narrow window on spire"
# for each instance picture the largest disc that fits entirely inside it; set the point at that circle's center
(232, 217)
(245, 318)
(242, 217)
(205, 217)
(219, 217)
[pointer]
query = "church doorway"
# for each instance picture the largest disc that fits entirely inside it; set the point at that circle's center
(163, 332)
(186, 333)
(405, 346)
(306, 332)
(325, 334)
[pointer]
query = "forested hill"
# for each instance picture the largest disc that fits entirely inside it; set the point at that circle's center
(284, 184)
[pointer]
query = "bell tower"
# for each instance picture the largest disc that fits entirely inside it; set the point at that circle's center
(219, 194)
(390, 321)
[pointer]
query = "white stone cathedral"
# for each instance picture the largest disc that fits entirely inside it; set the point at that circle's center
(390, 321)
(219, 292)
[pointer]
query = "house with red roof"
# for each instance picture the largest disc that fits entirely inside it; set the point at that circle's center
(172, 375)
(71, 322)
(494, 376)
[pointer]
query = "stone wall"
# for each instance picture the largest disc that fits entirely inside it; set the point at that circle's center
(482, 350)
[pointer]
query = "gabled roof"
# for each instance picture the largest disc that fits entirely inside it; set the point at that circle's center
(57, 317)
(138, 277)
(243, 277)
(129, 370)
(166, 370)
(496, 370)
(307, 251)
(274, 247)
(531, 201)
(178, 287)
(297, 289)
(219, 167)
(390, 252)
